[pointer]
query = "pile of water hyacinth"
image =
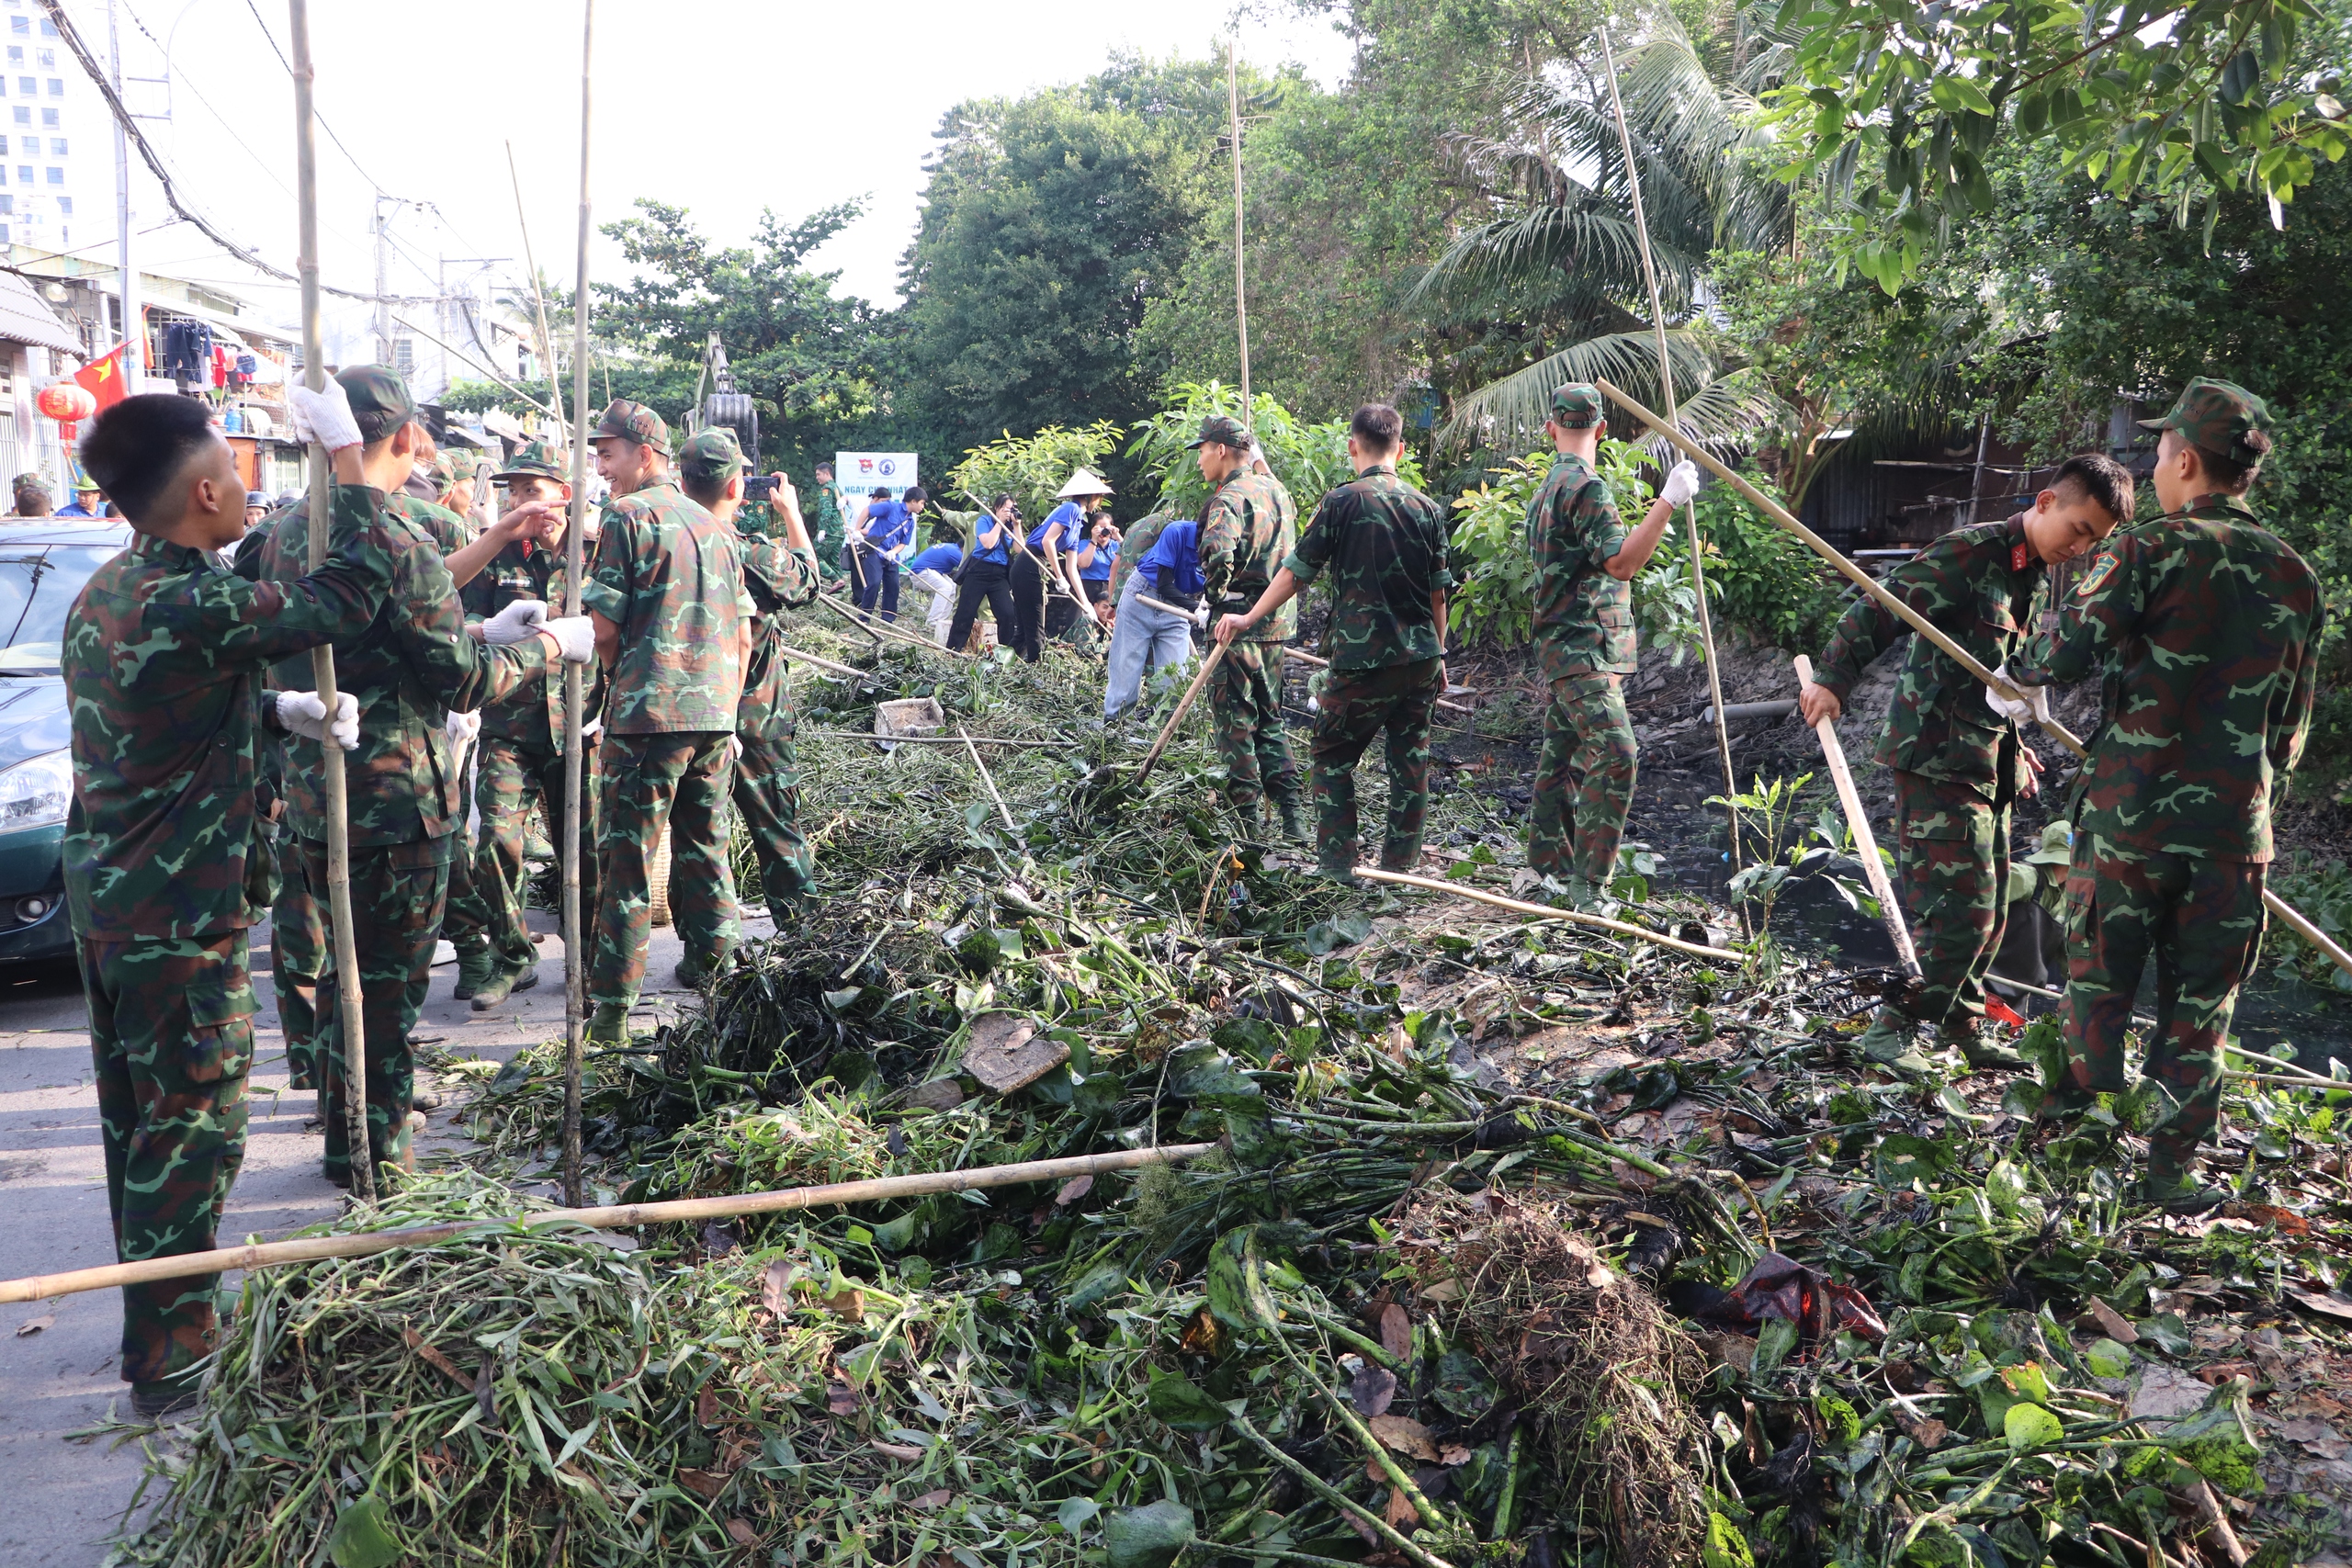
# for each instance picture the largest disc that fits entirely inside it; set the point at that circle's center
(1519, 1241)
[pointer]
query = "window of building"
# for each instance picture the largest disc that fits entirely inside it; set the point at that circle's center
(56, 176)
(27, 86)
(8, 204)
(24, 115)
(4, 234)
(15, 54)
(57, 147)
(20, 24)
(48, 57)
(24, 174)
(65, 206)
(48, 27)
(56, 87)
(49, 117)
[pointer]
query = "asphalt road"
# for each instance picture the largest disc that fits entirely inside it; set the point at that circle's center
(63, 1497)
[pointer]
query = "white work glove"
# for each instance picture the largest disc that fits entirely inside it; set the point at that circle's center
(575, 634)
(2036, 706)
(323, 416)
(1681, 485)
(734, 747)
(301, 713)
(516, 623)
(592, 728)
(1200, 614)
(459, 727)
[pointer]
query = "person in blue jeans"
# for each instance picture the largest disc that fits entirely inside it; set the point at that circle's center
(1147, 639)
(887, 534)
(987, 575)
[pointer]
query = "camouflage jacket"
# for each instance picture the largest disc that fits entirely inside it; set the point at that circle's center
(531, 714)
(1976, 584)
(1247, 529)
(409, 669)
(825, 528)
(163, 656)
(671, 577)
(779, 578)
(1584, 618)
(448, 532)
(1134, 544)
(2205, 624)
(1386, 544)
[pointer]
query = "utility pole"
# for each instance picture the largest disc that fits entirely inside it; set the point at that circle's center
(382, 232)
(134, 363)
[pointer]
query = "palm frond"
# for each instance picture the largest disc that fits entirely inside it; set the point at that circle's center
(1506, 415)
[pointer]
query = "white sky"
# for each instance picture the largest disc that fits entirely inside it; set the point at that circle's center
(722, 107)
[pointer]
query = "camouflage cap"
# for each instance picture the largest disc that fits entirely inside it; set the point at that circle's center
(30, 481)
(1575, 405)
(379, 400)
(710, 457)
(2222, 418)
(537, 460)
(452, 468)
(2055, 846)
(1223, 429)
(635, 421)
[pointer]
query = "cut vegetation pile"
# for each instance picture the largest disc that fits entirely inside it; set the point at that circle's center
(1520, 1244)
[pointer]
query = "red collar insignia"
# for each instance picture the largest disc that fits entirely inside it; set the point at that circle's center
(2018, 556)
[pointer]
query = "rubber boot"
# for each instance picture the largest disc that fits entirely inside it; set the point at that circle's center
(610, 1025)
(503, 983)
(1294, 829)
(2176, 1190)
(1891, 1041)
(1981, 1047)
(694, 975)
(473, 970)
(165, 1396)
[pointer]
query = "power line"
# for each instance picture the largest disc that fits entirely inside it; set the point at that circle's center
(154, 162)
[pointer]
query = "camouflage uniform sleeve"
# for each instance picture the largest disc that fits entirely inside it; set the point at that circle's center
(607, 590)
(235, 618)
(778, 578)
(1220, 540)
(1868, 628)
(2094, 622)
(1441, 575)
(1315, 542)
(455, 670)
(1593, 513)
(2291, 709)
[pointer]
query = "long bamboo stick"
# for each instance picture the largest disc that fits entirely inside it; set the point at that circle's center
(986, 778)
(350, 1008)
(616, 1216)
(1241, 293)
(1690, 516)
(799, 658)
(1859, 819)
(1546, 912)
(575, 568)
(1316, 660)
(2295, 919)
(539, 295)
(1168, 730)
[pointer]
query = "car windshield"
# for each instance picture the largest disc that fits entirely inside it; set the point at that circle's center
(37, 588)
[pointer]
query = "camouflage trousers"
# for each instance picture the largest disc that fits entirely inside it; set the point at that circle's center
(767, 797)
(1246, 717)
(1952, 857)
(398, 895)
(297, 956)
(1355, 704)
(172, 1038)
(465, 921)
(512, 775)
(650, 780)
(2201, 920)
(1584, 779)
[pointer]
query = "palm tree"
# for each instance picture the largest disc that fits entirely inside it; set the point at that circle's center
(1562, 255)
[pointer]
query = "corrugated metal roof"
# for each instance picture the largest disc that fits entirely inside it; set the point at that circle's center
(25, 318)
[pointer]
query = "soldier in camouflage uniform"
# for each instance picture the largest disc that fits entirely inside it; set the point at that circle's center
(1384, 543)
(1584, 564)
(1247, 529)
(521, 756)
(408, 671)
(2206, 627)
(162, 656)
(1958, 765)
(830, 536)
(673, 628)
(779, 574)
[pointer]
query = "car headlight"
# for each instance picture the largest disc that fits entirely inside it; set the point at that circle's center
(36, 792)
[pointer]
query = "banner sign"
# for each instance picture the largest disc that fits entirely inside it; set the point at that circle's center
(859, 473)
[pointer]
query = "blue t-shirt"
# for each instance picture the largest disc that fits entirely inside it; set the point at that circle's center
(888, 524)
(939, 557)
(1001, 552)
(1068, 517)
(1178, 550)
(1099, 568)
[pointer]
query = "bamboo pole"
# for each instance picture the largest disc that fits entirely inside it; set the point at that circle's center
(1168, 730)
(796, 656)
(450, 348)
(1299, 653)
(1859, 820)
(1546, 912)
(539, 295)
(575, 568)
(616, 1216)
(882, 631)
(1240, 294)
(350, 1008)
(986, 779)
(1690, 516)
(2295, 920)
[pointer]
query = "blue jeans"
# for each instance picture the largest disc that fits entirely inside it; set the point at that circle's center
(879, 578)
(1143, 640)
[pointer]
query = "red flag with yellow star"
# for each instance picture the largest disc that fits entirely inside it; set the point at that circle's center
(103, 379)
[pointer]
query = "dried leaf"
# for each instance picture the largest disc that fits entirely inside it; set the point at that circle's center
(775, 1286)
(1076, 1186)
(706, 1407)
(1396, 1332)
(718, 1241)
(1204, 1336)
(702, 1482)
(410, 1336)
(1452, 1454)
(938, 1499)
(840, 1398)
(2112, 1322)
(742, 1532)
(1401, 1510)
(1405, 1434)
(898, 1450)
(2328, 1305)
(35, 1324)
(1443, 1291)
(1924, 1430)
(850, 1304)
(1373, 1391)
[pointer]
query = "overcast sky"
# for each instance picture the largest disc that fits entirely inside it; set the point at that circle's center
(722, 107)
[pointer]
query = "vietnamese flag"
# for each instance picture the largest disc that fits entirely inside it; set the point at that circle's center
(103, 379)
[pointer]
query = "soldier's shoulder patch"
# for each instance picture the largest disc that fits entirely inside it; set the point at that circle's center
(2095, 578)
(2018, 556)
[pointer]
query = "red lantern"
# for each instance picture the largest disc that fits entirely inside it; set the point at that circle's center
(66, 403)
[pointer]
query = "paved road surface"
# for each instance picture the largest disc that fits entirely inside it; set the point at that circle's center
(62, 1497)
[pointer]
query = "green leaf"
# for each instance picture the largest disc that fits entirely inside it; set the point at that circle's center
(897, 1236)
(1724, 1546)
(1076, 1513)
(1774, 1343)
(1149, 1537)
(1098, 1284)
(2005, 1185)
(2108, 1359)
(1183, 1405)
(1463, 1386)
(363, 1536)
(2029, 1427)
(1957, 95)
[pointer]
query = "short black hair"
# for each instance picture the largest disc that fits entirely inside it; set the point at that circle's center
(824, 468)
(706, 490)
(914, 493)
(2094, 476)
(1377, 424)
(881, 492)
(2230, 475)
(137, 447)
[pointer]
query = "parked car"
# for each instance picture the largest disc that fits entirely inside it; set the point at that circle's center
(44, 562)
